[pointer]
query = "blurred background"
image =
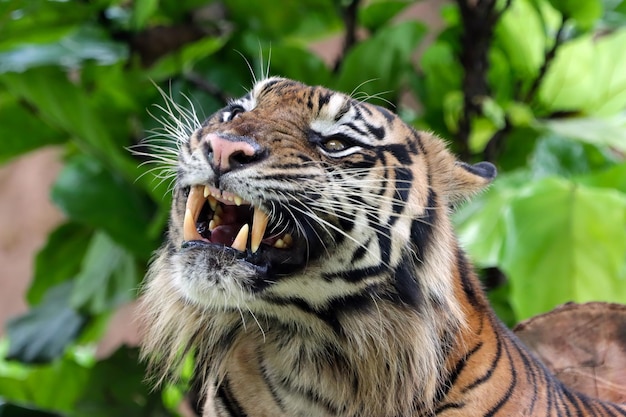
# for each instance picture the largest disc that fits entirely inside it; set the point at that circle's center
(536, 86)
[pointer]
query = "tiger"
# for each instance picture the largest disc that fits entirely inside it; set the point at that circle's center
(310, 268)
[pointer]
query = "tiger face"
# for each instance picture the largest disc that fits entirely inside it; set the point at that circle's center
(302, 195)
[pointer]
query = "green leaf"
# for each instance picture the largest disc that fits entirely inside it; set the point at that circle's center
(614, 177)
(108, 277)
(564, 242)
(608, 131)
(588, 75)
(183, 60)
(584, 12)
(21, 130)
(90, 193)
(520, 35)
(142, 11)
(442, 74)
(14, 410)
(376, 14)
(481, 224)
(307, 19)
(299, 63)
(42, 334)
(128, 396)
(66, 105)
(59, 260)
(558, 156)
(376, 66)
(83, 43)
(53, 386)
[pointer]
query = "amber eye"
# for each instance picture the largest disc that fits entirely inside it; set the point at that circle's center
(334, 145)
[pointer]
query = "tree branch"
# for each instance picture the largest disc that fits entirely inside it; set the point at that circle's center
(479, 18)
(549, 58)
(349, 14)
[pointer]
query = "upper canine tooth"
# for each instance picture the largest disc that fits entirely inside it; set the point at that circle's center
(241, 240)
(212, 201)
(189, 227)
(192, 210)
(207, 191)
(238, 200)
(259, 224)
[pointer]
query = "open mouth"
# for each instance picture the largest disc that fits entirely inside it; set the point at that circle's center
(227, 221)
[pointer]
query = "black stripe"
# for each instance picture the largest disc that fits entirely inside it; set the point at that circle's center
(451, 378)
(323, 99)
(271, 388)
(466, 280)
(530, 367)
(508, 394)
(360, 252)
(492, 368)
(334, 307)
(573, 403)
(378, 132)
(400, 152)
(422, 228)
(229, 401)
(404, 177)
(389, 116)
(408, 289)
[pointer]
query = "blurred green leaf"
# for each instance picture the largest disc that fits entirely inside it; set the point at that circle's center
(392, 47)
(564, 242)
(307, 19)
(377, 13)
(107, 279)
(183, 60)
(142, 11)
(614, 177)
(558, 156)
(584, 12)
(520, 35)
(66, 105)
(609, 131)
(481, 223)
(588, 75)
(21, 130)
(59, 260)
(129, 396)
(42, 334)
(83, 43)
(53, 386)
(90, 193)
(14, 410)
(442, 74)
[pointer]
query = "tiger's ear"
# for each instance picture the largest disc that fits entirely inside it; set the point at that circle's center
(452, 179)
(465, 180)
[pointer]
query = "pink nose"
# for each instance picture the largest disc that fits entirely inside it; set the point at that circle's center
(227, 152)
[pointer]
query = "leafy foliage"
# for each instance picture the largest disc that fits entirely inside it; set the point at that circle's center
(538, 87)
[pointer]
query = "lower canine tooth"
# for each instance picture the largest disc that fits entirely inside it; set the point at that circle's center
(242, 239)
(259, 224)
(280, 244)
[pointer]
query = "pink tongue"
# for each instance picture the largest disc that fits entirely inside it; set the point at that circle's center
(225, 235)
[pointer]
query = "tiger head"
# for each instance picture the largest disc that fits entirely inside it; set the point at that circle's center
(298, 194)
